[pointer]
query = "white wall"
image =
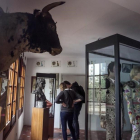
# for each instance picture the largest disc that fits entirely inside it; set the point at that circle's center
(32, 70)
(20, 125)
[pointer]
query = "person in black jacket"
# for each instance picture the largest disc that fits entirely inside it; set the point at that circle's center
(77, 106)
(67, 98)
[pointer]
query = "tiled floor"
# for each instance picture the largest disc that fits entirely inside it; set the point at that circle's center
(98, 135)
(26, 134)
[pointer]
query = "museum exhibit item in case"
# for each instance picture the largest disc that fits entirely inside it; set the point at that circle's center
(132, 96)
(109, 64)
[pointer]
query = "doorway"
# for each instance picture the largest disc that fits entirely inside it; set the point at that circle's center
(80, 79)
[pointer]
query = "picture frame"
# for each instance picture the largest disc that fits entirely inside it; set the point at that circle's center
(126, 68)
(33, 83)
(56, 63)
(71, 63)
(40, 63)
(133, 65)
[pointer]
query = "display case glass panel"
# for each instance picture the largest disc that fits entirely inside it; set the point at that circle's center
(130, 70)
(125, 53)
(97, 94)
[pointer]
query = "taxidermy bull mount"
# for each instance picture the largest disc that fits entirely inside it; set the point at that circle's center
(25, 32)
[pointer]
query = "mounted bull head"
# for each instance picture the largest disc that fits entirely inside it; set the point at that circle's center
(22, 32)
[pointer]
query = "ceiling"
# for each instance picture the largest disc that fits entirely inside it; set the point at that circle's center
(80, 22)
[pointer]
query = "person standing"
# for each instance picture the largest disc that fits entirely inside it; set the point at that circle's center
(77, 106)
(67, 98)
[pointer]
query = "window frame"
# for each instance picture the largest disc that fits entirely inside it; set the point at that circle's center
(22, 86)
(11, 98)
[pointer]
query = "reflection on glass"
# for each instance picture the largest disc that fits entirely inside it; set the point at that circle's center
(3, 86)
(97, 95)
(91, 69)
(103, 84)
(103, 96)
(90, 107)
(97, 69)
(103, 68)
(96, 82)
(131, 94)
(90, 83)
(90, 94)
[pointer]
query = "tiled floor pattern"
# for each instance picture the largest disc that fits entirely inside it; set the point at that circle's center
(98, 135)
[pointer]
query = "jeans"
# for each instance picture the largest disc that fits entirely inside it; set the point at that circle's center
(77, 109)
(67, 117)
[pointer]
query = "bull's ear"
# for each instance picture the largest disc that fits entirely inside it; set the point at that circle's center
(52, 5)
(36, 12)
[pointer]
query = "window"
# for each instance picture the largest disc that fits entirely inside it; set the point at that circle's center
(22, 85)
(11, 96)
(96, 88)
(12, 91)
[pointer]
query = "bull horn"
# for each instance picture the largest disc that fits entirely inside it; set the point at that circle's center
(52, 5)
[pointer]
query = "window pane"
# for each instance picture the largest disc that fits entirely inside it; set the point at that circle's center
(90, 83)
(10, 89)
(20, 103)
(90, 107)
(15, 93)
(11, 77)
(97, 111)
(91, 69)
(103, 85)
(14, 108)
(96, 81)
(20, 92)
(12, 66)
(131, 95)
(16, 78)
(8, 114)
(90, 95)
(17, 63)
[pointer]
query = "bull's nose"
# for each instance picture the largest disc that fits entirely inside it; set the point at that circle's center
(56, 51)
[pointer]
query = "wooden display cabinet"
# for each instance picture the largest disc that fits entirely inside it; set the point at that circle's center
(40, 124)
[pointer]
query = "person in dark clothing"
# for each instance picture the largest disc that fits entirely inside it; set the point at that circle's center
(77, 106)
(67, 97)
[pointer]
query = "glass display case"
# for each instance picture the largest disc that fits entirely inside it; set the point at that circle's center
(113, 89)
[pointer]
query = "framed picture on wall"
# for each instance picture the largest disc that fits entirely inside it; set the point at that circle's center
(40, 63)
(71, 63)
(33, 83)
(56, 63)
(126, 68)
(134, 65)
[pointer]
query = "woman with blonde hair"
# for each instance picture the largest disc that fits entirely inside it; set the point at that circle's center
(67, 97)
